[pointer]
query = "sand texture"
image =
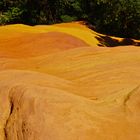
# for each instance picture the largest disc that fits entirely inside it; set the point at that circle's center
(62, 82)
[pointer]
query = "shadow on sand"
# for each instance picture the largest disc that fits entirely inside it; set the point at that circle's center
(111, 42)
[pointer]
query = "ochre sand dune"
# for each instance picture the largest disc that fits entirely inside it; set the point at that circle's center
(56, 83)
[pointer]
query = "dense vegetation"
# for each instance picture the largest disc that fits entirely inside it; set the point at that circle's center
(113, 17)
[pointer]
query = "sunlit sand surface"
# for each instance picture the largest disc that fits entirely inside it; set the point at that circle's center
(57, 83)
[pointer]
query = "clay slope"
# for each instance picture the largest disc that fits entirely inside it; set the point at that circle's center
(56, 83)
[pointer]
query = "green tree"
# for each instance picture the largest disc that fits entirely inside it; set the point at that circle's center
(112, 17)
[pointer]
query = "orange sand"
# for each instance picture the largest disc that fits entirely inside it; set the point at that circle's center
(56, 83)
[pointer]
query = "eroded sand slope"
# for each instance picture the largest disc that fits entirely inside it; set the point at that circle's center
(56, 83)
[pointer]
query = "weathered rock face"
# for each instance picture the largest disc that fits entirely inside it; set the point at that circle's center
(56, 84)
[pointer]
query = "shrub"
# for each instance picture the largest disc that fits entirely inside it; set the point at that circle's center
(12, 15)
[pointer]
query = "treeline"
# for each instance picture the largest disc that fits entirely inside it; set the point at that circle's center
(112, 17)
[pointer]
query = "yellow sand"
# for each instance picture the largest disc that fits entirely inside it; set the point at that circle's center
(56, 83)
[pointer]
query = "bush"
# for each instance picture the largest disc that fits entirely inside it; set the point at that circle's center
(67, 18)
(13, 15)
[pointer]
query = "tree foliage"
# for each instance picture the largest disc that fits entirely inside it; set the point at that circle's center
(113, 17)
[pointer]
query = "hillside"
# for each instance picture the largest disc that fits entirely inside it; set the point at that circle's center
(67, 82)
